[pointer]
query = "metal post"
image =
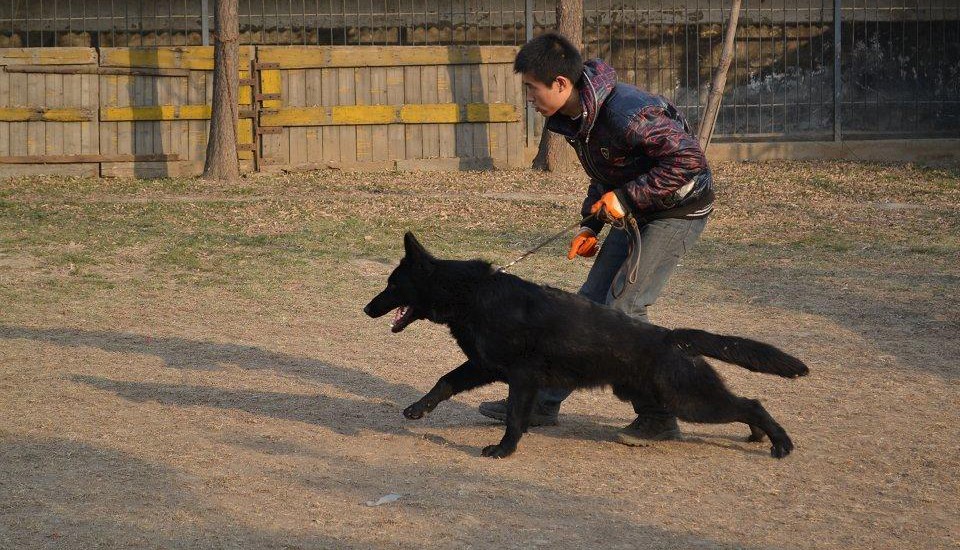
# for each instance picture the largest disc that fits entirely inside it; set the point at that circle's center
(530, 113)
(205, 22)
(837, 89)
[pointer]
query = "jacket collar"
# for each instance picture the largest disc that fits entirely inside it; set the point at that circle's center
(599, 79)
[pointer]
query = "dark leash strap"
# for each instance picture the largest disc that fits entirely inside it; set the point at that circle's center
(544, 243)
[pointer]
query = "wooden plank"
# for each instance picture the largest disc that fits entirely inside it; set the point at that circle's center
(348, 97)
(18, 130)
(151, 169)
(271, 82)
(163, 141)
(89, 170)
(48, 56)
(72, 96)
(71, 159)
(450, 165)
(108, 130)
(155, 112)
(413, 133)
(36, 134)
(245, 137)
(496, 131)
(53, 98)
(461, 94)
(295, 95)
(428, 94)
(125, 130)
(181, 93)
(379, 134)
(313, 95)
(196, 58)
(196, 94)
(447, 132)
(396, 144)
(478, 93)
(245, 93)
(361, 86)
(45, 114)
(330, 97)
(142, 133)
(4, 102)
(93, 69)
(90, 98)
(364, 115)
(515, 130)
(306, 57)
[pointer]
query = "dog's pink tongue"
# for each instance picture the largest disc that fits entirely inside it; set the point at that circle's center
(398, 314)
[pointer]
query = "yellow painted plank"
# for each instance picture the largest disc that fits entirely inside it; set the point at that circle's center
(43, 114)
(155, 112)
(308, 57)
(270, 84)
(246, 92)
(48, 56)
(197, 58)
(350, 115)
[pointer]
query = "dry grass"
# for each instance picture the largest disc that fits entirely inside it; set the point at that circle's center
(186, 365)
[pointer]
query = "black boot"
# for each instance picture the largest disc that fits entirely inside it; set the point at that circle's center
(542, 415)
(648, 428)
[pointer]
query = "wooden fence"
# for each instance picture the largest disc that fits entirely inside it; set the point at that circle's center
(144, 111)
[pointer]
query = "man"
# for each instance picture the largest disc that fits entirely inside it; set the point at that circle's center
(642, 160)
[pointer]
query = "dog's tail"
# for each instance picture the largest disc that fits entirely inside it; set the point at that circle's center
(749, 354)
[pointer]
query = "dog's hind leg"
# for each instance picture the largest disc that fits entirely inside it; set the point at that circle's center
(756, 434)
(698, 394)
(520, 399)
(463, 378)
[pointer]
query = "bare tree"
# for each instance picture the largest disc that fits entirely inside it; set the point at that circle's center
(222, 162)
(705, 134)
(554, 154)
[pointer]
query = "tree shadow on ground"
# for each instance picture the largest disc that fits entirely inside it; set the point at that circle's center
(65, 493)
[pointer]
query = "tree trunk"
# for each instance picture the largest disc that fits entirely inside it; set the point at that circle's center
(222, 162)
(705, 133)
(554, 154)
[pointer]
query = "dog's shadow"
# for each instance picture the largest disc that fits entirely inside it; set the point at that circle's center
(371, 403)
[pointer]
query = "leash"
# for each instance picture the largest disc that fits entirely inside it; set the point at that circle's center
(544, 243)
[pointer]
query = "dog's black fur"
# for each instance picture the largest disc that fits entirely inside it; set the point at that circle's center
(532, 337)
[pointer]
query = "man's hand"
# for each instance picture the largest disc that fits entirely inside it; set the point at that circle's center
(583, 244)
(608, 208)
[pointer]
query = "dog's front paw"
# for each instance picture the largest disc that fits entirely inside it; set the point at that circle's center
(781, 449)
(416, 411)
(496, 451)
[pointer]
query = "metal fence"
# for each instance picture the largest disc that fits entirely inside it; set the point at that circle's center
(899, 60)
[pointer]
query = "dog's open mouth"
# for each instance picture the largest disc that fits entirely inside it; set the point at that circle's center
(402, 318)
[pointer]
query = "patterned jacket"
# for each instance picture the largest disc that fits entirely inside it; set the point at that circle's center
(637, 145)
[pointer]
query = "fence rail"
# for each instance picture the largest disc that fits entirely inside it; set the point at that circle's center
(898, 72)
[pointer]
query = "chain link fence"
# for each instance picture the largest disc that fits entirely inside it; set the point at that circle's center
(899, 60)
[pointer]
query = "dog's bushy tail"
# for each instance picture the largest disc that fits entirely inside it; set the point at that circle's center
(749, 354)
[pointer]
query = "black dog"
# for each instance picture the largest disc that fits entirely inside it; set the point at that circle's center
(532, 337)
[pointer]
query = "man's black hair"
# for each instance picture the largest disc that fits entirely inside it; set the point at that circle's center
(548, 56)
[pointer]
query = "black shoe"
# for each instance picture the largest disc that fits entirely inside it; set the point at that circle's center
(542, 415)
(648, 429)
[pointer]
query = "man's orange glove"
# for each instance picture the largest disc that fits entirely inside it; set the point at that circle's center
(609, 208)
(583, 244)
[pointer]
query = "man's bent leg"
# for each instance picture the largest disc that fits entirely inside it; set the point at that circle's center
(663, 243)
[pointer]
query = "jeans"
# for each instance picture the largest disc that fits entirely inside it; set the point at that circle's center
(662, 244)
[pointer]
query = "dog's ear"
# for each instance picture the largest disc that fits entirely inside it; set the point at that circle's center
(413, 248)
(416, 253)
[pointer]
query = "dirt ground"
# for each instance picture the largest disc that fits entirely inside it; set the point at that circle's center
(186, 365)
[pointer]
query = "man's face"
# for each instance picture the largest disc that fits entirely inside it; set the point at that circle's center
(547, 99)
